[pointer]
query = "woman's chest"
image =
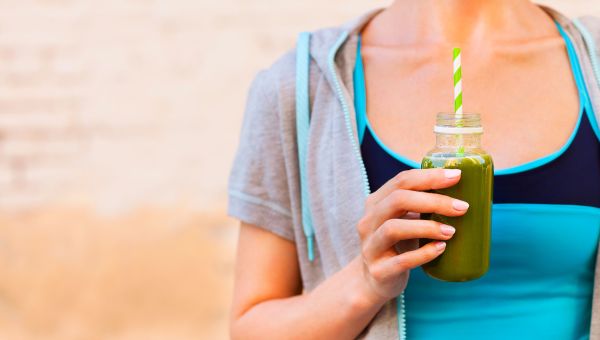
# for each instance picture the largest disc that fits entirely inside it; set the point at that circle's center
(529, 105)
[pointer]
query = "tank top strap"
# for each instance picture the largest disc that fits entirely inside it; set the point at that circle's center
(575, 66)
(579, 79)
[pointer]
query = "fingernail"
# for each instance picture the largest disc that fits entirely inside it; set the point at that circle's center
(460, 205)
(452, 173)
(440, 245)
(447, 230)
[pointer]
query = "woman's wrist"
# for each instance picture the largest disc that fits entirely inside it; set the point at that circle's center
(363, 294)
(350, 295)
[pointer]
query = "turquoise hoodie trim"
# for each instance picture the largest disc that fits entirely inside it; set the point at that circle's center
(360, 102)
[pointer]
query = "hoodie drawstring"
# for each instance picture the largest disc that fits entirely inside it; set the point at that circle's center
(302, 129)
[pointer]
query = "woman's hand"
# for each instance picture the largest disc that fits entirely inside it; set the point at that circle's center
(268, 285)
(391, 216)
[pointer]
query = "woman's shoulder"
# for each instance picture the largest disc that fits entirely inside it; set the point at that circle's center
(262, 181)
(283, 68)
(276, 83)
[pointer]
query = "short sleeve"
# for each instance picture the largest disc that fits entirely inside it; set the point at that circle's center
(258, 191)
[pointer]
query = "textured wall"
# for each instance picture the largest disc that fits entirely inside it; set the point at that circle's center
(118, 123)
(120, 103)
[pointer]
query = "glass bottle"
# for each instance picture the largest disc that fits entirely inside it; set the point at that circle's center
(458, 146)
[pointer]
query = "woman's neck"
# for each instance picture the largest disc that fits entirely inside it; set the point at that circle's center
(458, 22)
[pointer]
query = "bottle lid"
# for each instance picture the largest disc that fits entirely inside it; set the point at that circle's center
(450, 123)
(452, 130)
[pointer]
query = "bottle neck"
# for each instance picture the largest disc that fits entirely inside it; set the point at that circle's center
(453, 141)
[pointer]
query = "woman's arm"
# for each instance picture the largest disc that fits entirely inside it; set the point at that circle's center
(268, 303)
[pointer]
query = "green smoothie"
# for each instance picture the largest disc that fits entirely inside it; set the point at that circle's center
(467, 253)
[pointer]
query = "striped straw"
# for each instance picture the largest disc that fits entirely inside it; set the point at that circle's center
(458, 107)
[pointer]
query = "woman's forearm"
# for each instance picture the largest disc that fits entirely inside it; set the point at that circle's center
(339, 308)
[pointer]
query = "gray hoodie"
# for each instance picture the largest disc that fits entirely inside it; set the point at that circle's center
(264, 181)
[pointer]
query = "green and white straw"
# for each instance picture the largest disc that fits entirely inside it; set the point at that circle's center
(458, 107)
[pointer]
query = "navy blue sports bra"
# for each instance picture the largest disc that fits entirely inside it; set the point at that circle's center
(571, 178)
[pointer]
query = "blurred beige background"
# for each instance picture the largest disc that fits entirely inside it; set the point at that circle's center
(118, 124)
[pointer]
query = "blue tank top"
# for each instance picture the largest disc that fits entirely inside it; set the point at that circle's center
(545, 228)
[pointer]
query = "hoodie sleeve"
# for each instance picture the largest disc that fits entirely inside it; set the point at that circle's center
(258, 192)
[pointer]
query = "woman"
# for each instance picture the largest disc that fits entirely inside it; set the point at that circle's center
(528, 70)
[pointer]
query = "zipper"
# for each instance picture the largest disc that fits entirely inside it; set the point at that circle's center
(367, 190)
(591, 52)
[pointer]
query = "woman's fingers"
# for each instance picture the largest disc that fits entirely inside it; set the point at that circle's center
(388, 269)
(401, 201)
(381, 230)
(395, 230)
(416, 179)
